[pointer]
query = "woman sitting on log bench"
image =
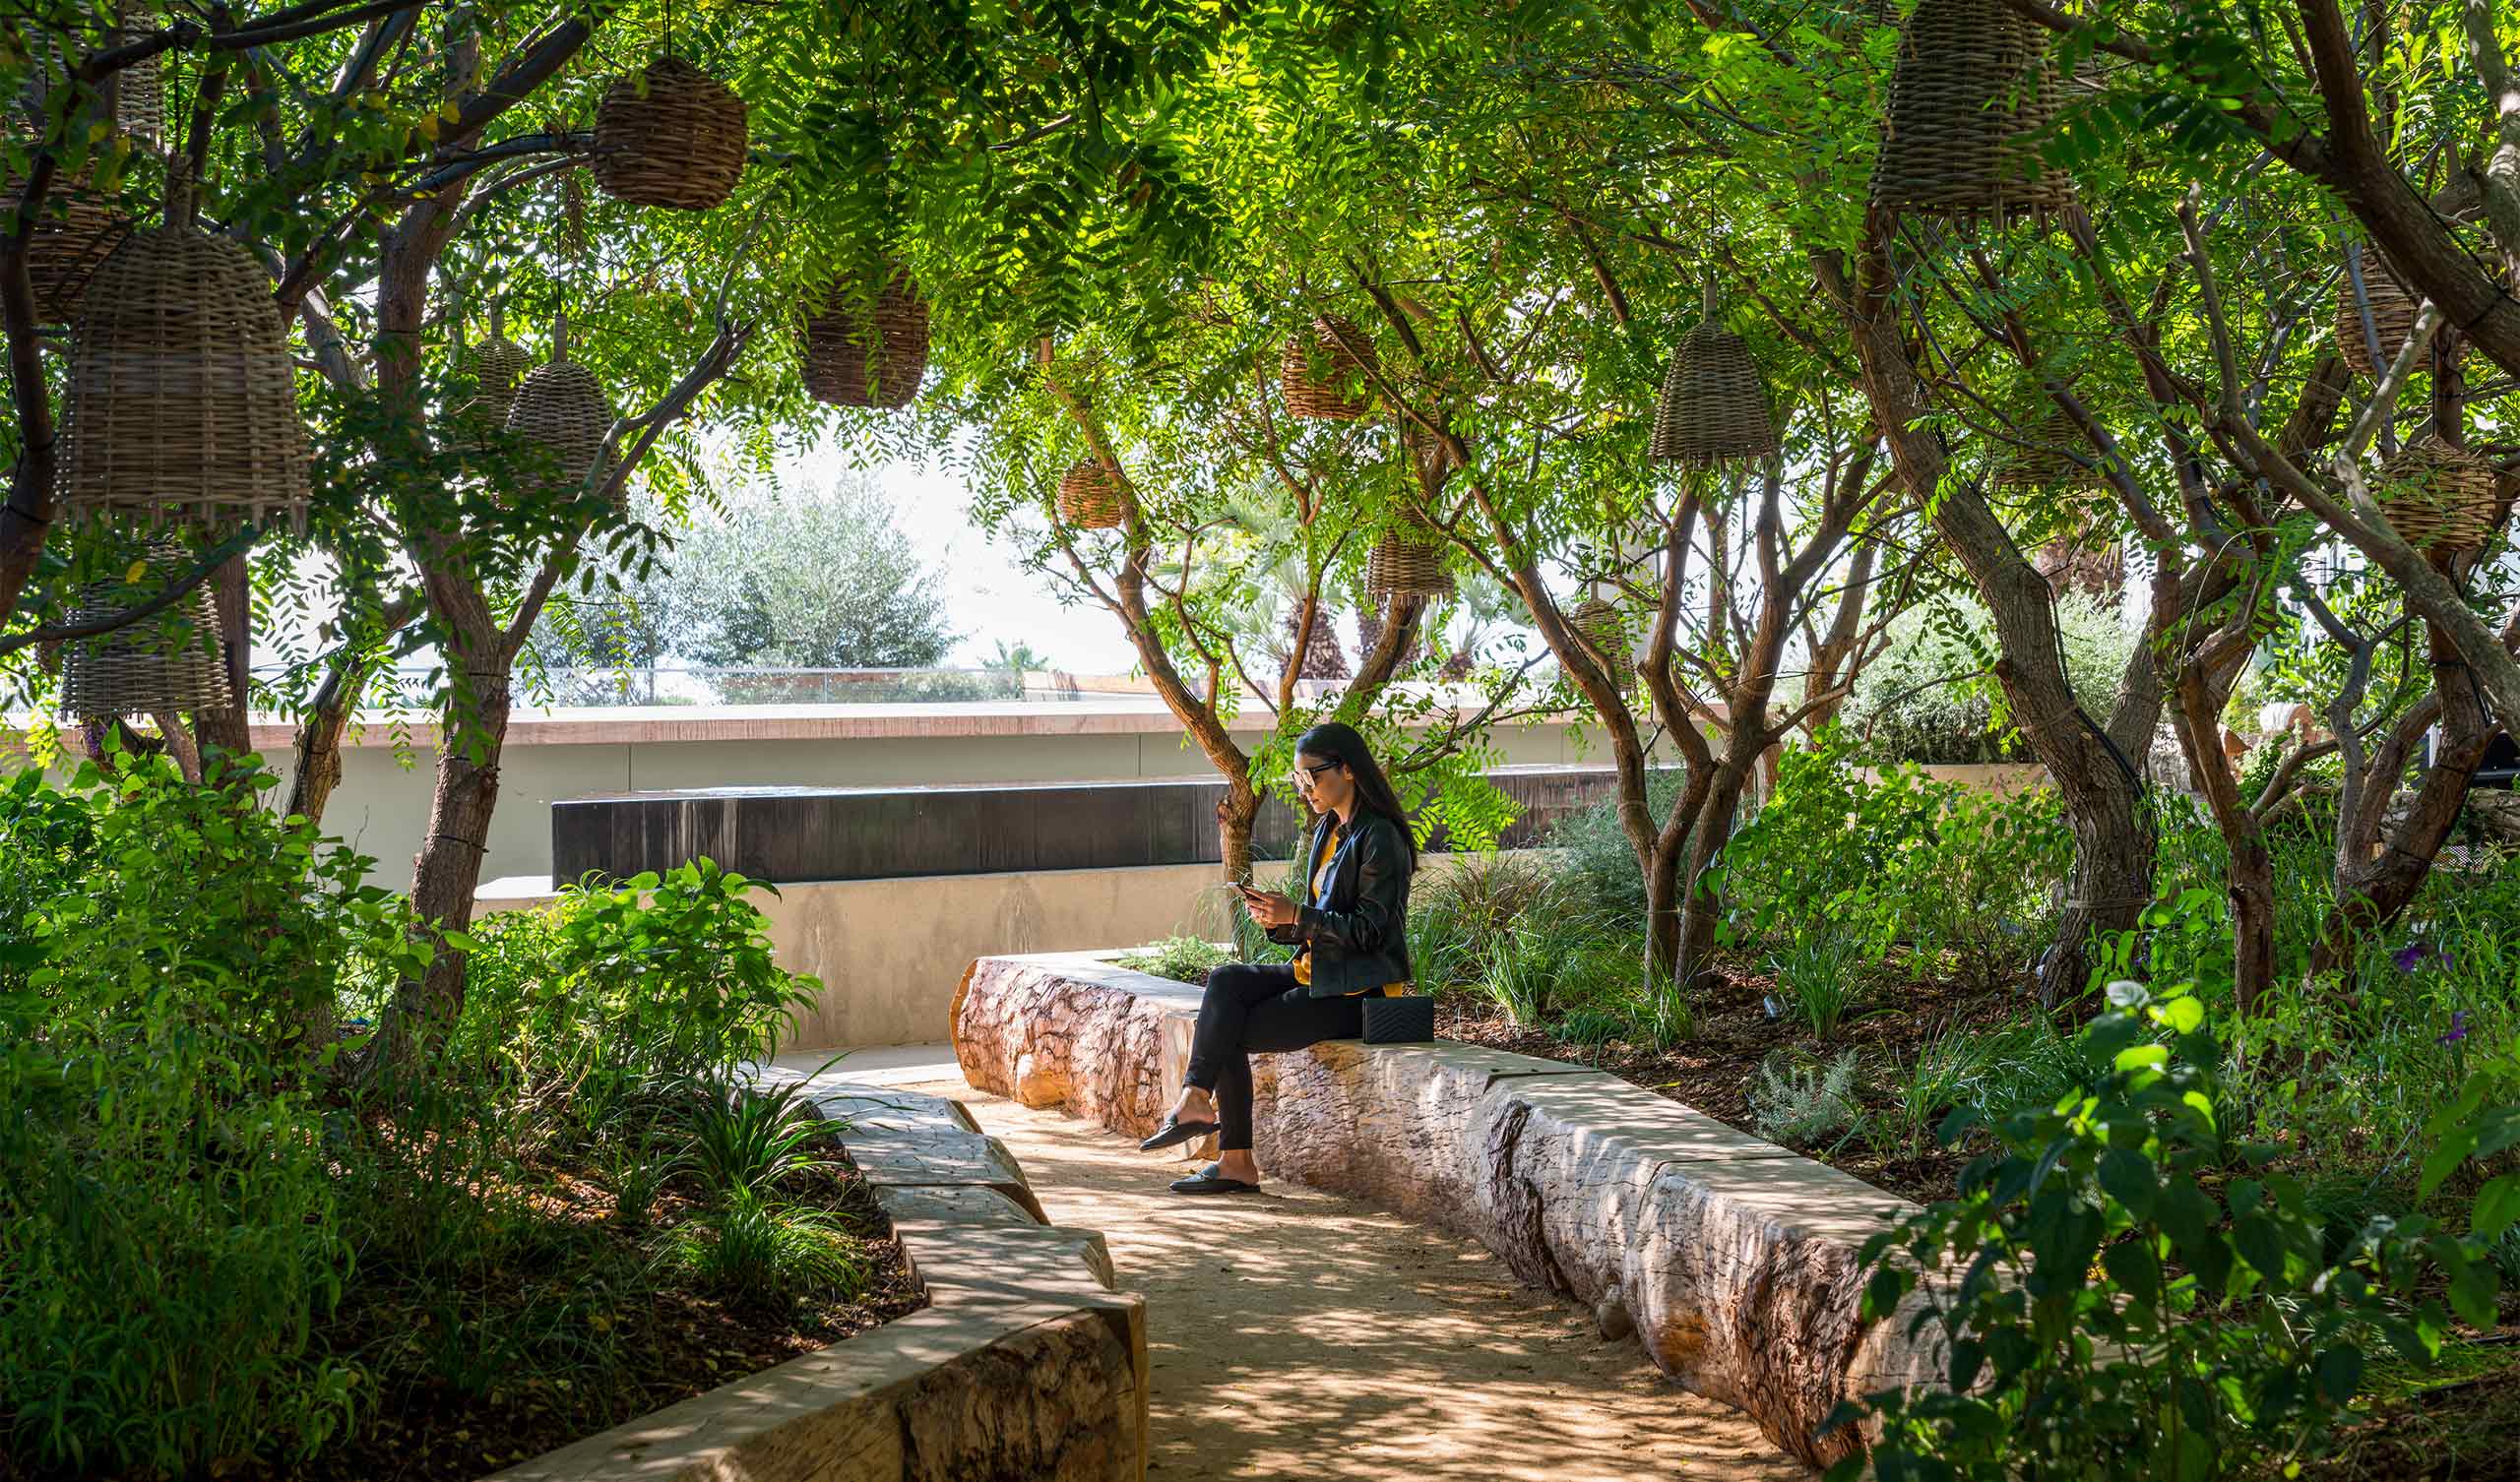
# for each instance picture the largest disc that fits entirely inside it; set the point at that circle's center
(1351, 940)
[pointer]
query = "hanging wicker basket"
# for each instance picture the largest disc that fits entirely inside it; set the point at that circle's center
(2394, 308)
(499, 366)
(182, 399)
(1971, 92)
(145, 667)
(1600, 622)
(2439, 497)
(1714, 406)
(2039, 460)
(671, 136)
(1322, 374)
(1090, 497)
(76, 229)
(1399, 566)
(560, 411)
(862, 353)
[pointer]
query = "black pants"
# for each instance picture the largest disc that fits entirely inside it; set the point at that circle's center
(1264, 1009)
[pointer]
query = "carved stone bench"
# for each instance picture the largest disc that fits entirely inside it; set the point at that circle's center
(1734, 1259)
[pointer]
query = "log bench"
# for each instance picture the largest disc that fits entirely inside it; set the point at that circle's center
(1732, 1260)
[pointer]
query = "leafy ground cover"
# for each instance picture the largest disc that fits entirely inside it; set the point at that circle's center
(234, 1243)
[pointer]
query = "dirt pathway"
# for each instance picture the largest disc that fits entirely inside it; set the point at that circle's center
(1295, 1334)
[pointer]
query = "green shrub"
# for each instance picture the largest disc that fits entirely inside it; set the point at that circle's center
(1818, 975)
(613, 989)
(769, 1257)
(1540, 959)
(1988, 1072)
(2137, 1294)
(1599, 865)
(1931, 696)
(747, 1138)
(1184, 960)
(1800, 1101)
(1898, 859)
(169, 1227)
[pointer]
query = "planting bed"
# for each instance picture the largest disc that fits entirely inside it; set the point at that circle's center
(662, 1345)
(1715, 1069)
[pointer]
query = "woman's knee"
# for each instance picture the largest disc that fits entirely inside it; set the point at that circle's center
(1233, 980)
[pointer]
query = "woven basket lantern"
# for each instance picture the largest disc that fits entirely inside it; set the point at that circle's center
(145, 667)
(1090, 497)
(1713, 406)
(498, 366)
(1969, 97)
(671, 136)
(76, 229)
(1319, 374)
(2043, 464)
(559, 407)
(182, 399)
(1599, 621)
(2394, 308)
(867, 354)
(2439, 497)
(1400, 567)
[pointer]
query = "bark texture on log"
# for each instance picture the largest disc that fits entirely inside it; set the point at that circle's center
(1735, 1258)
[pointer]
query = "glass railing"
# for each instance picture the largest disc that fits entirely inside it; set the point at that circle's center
(680, 684)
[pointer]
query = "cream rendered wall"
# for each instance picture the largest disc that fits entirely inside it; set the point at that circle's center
(382, 806)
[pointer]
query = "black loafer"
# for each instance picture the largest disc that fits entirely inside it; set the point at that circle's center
(1176, 1131)
(1209, 1181)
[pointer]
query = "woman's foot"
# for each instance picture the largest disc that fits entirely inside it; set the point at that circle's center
(1239, 1165)
(1217, 1178)
(1192, 1117)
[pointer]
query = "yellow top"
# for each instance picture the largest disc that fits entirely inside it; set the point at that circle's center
(1304, 954)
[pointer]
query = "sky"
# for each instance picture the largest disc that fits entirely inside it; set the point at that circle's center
(991, 596)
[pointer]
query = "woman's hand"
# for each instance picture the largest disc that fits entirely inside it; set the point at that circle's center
(1269, 910)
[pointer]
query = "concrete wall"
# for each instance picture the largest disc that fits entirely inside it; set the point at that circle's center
(383, 803)
(889, 951)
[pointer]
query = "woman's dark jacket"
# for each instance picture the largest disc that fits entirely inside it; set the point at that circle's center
(1359, 934)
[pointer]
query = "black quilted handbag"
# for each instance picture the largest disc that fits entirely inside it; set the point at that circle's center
(1409, 1019)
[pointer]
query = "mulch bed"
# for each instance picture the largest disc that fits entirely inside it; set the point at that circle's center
(2465, 1431)
(678, 1344)
(664, 1343)
(1713, 1070)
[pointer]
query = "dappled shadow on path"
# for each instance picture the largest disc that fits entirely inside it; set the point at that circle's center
(1294, 1334)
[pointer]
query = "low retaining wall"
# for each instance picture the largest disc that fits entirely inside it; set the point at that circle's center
(1734, 1259)
(1025, 1364)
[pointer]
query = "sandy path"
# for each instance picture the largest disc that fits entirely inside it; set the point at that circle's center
(1295, 1334)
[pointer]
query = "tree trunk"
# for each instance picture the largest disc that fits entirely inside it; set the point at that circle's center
(2249, 880)
(2379, 871)
(227, 729)
(1716, 812)
(1237, 812)
(2111, 877)
(447, 873)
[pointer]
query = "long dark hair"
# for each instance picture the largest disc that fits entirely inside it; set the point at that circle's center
(1336, 741)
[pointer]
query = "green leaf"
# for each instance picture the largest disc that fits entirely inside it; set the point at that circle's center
(2497, 1205)
(2340, 1374)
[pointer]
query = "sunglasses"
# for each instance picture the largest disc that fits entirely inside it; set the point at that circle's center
(1305, 776)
